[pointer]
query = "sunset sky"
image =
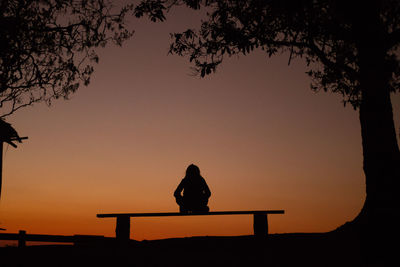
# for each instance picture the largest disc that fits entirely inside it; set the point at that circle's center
(261, 137)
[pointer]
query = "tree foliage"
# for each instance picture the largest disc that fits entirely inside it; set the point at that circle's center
(47, 47)
(326, 33)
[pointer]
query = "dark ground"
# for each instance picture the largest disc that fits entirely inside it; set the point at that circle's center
(320, 249)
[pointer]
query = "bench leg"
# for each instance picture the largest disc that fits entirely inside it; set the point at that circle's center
(260, 225)
(122, 230)
(22, 239)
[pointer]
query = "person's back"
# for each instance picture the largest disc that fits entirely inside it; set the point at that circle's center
(195, 192)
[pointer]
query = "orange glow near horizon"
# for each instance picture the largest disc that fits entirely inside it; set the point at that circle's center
(261, 137)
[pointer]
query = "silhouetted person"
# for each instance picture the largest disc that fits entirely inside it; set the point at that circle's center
(195, 192)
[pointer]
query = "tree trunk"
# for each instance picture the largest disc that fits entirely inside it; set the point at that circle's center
(376, 224)
(381, 159)
(380, 149)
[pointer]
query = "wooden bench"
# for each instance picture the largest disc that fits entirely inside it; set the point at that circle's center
(122, 230)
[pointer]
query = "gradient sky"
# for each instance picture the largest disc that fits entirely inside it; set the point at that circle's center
(261, 137)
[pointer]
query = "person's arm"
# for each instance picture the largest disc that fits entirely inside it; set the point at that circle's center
(179, 189)
(207, 191)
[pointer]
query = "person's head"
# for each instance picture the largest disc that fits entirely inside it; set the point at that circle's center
(192, 171)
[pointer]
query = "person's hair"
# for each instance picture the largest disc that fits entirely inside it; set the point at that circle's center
(192, 171)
